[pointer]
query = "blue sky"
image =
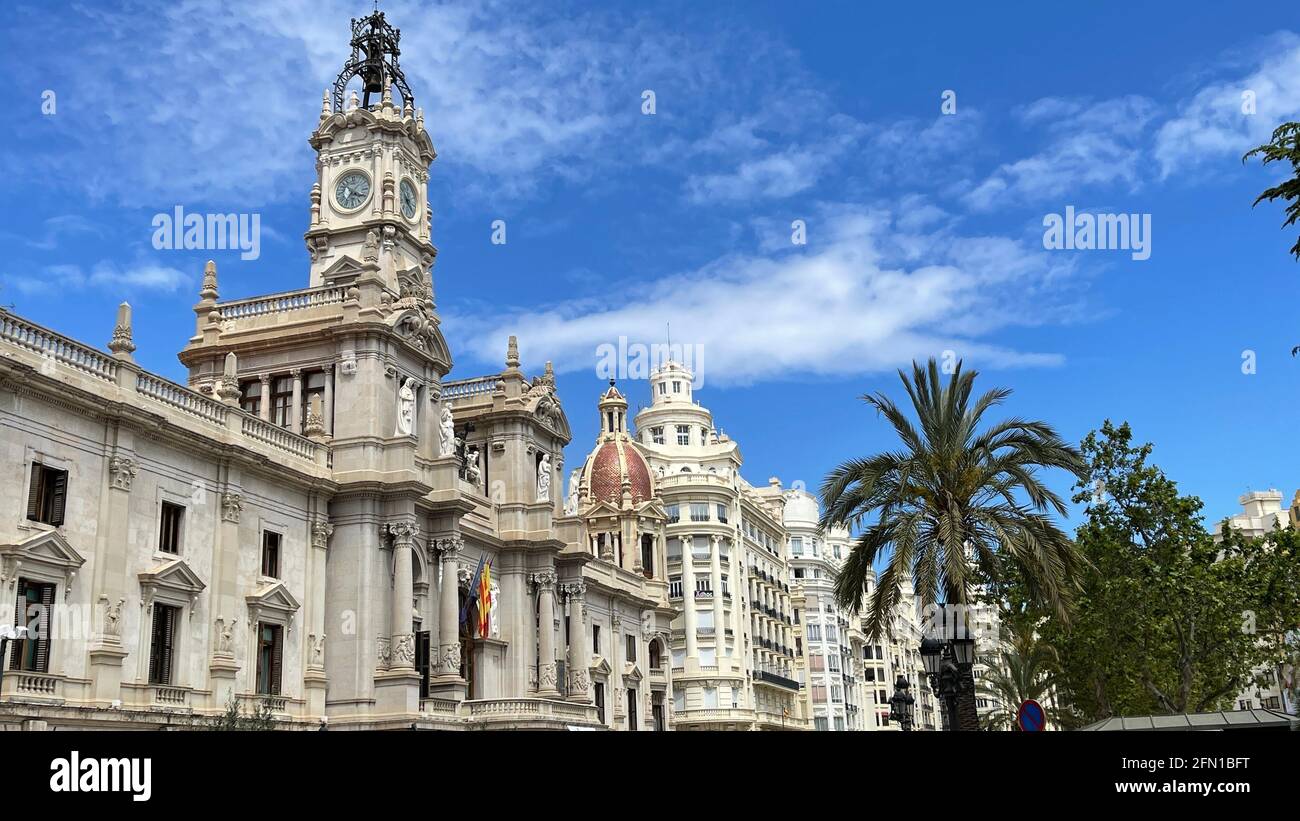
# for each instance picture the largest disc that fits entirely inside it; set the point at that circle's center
(924, 229)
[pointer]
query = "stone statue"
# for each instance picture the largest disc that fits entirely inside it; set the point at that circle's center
(447, 432)
(225, 636)
(544, 478)
(472, 472)
(571, 503)
(406, 408)
(112, 617)
(317, 644)
(493, 622)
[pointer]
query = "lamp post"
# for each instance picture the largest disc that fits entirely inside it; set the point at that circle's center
(948, 666)
(900, 704)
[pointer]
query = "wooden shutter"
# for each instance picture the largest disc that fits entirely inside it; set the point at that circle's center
(43, 643)
(155, 645)
(34, 494)
(160, 647)
(277, 658)
(59, 497)
(16, 651)
(169, 639)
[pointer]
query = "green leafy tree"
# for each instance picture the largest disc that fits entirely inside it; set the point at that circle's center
(1167, 621)
(1023, 669)
(944, 505)
(1283, 147)
(260, 717)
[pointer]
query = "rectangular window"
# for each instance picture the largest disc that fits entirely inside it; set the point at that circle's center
(169, 529)
(699, 512)
(820, 724)
(271, 554)
(595, 640)
(708, 657)
(677, 386)
(679, 700)
(700, 547)
(270, 656)
(722, 514)
(814, 632)
(162, 644)
(675, 587)
(710, 697)
(250, 396)
(657, 434)
(47, 495)
(683, 434)
(679, 658)
(819, 693)
(833, 663)
(630, 641)
(796, 546)
(674, 514)
(631, 709)
(600, 702)
(282, 401)
(32, 610)
(816, 663)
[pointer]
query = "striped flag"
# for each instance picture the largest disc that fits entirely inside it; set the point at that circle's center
(485, 600)
(473, 584)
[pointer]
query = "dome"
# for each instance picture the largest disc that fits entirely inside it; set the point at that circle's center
(614, 461)
(801, 508)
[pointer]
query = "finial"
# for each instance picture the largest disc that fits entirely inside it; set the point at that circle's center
(419, 117)
(512, 353)
(354, 102)
(122, 345)
(388, 92)
(228, 386)
(209, 289)
(325, 110)
(407, 111)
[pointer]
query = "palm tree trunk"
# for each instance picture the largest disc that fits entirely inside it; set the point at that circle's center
(968, 717)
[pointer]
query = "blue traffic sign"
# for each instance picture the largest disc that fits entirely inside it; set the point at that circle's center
(1030, 717)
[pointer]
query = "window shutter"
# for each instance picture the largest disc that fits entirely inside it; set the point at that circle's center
(34, 493)
(155, 645)
(16, 652)
(277, 655)
(43, 644)
(59, 497)
(169, 636)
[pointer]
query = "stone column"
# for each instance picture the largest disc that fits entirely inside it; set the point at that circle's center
(579, 656)
(264, 406)
(719, 621)
(688, 596)
(329, 399)
(448, 661)
(545, 583)
(619, 661)
(403, 534)
(295, 417)
(314, 678)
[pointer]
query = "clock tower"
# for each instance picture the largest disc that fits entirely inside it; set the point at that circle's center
(370, 216)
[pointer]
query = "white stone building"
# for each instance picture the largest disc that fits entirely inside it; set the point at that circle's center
(303, 523)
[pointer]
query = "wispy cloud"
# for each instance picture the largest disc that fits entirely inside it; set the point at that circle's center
(1215, 123)
(866, 296)
(110, 276)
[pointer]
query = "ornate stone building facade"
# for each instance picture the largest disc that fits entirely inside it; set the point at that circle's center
(303, 522)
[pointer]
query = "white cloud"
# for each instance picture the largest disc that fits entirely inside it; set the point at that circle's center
(1212, 125)
(865, 296)
(107, 275)
(1094, 144)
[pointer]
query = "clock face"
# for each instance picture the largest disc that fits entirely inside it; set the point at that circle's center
(353, 190)
(410, 201)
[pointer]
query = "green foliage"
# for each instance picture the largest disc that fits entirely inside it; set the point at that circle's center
(261, 717)
(1283, 147)
(951, 501)
(1024, 669)
(1167, 621)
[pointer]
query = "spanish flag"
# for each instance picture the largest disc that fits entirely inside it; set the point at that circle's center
(485, 600)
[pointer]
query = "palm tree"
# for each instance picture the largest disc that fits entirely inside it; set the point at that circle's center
(947, 502)
(1023, 670)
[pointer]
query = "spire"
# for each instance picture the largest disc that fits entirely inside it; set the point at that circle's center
(209, 289)
(512, 353)
(122, 344)
(325, 111)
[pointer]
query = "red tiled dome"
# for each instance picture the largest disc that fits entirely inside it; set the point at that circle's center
(607, 467)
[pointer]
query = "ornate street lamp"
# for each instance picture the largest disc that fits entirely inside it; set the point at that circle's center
(900, 705)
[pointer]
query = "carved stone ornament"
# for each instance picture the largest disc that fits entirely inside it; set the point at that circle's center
(320, 534)
(449, 657)
(232, 504)
(122, 471)
(403, 650)
(112, 617)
